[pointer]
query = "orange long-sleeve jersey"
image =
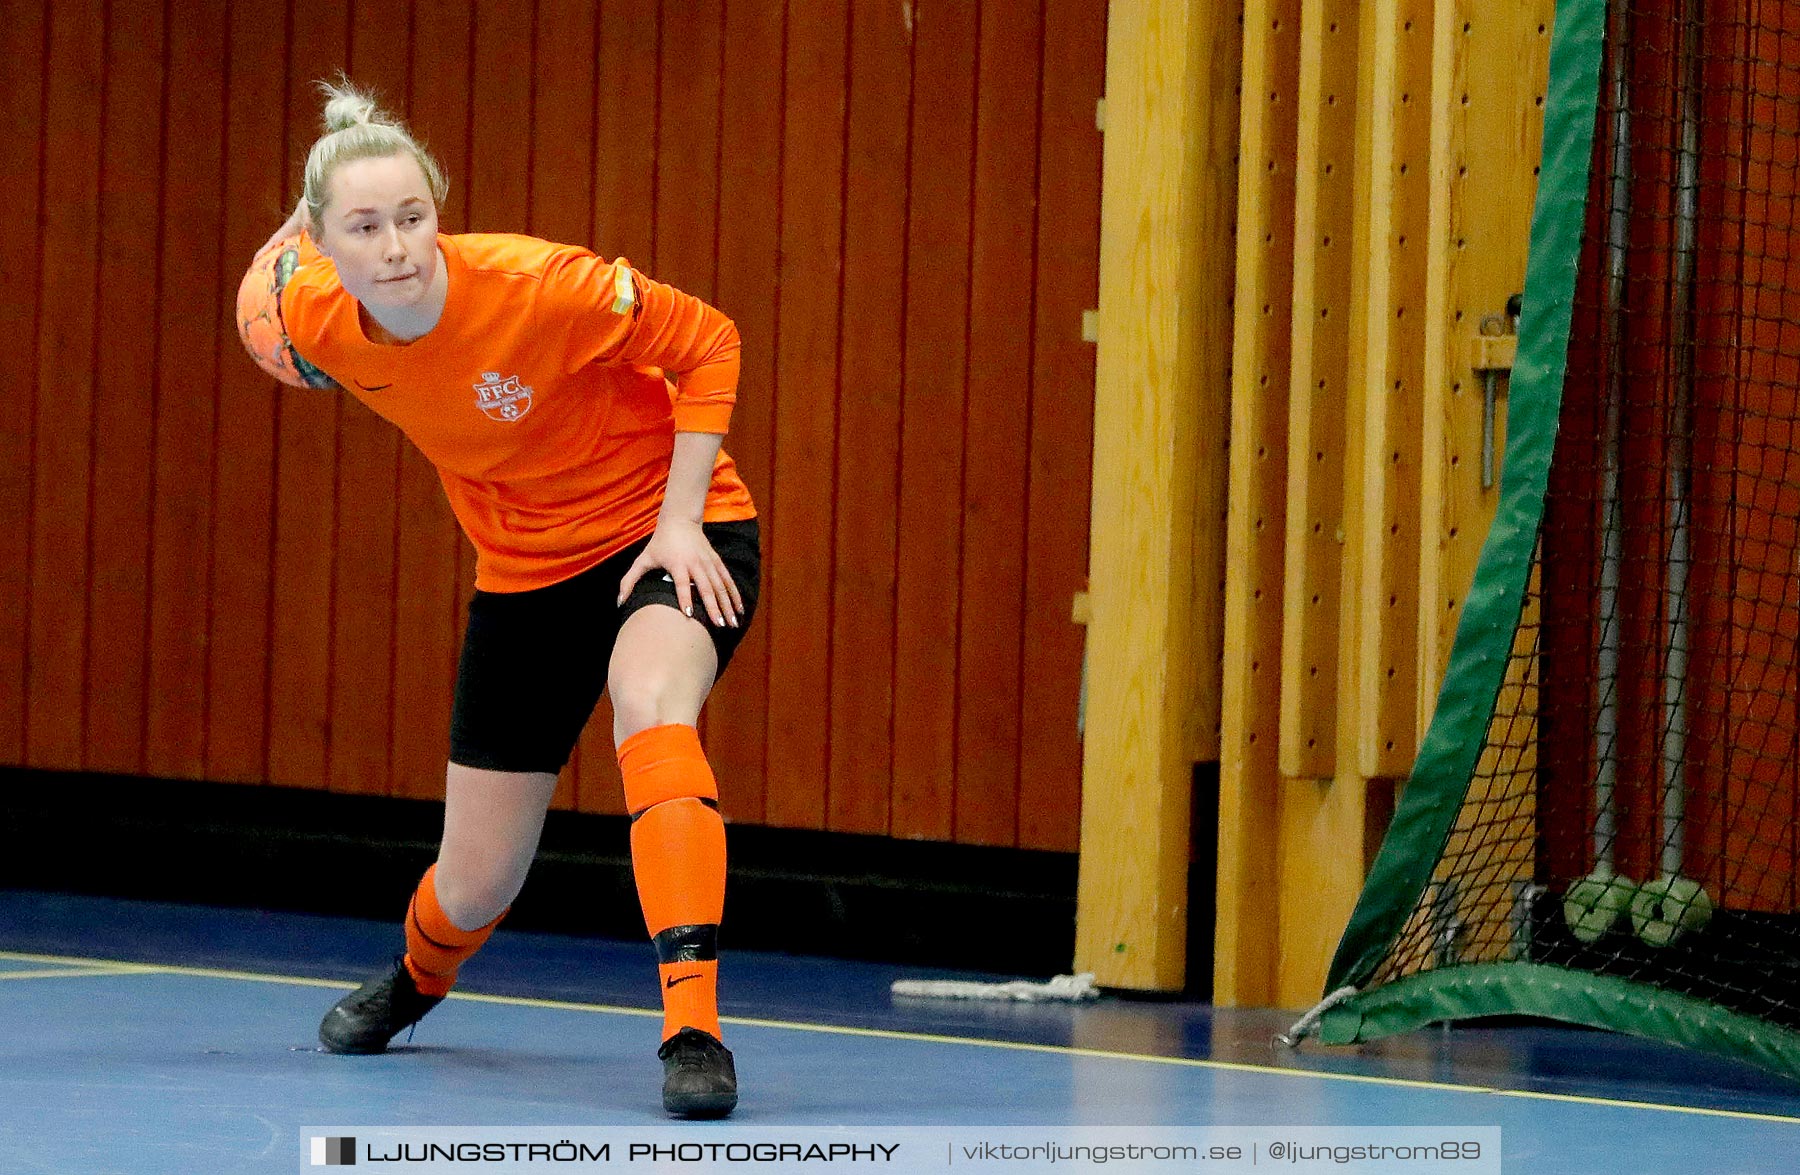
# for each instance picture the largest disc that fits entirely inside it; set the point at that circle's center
(540, 396)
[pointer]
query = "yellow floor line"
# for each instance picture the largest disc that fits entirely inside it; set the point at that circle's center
(70, 972)
(120, 967)
(22, 957)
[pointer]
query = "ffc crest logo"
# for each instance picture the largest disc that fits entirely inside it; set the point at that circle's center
(504, 400)
(334, 1152)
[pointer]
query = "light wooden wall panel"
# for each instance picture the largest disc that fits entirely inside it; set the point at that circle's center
(1323, 263)
(1322, 805)
(899, 205)
(1244, 954)
(1484, 139)
(1413, 177)
(1215, 280)
(1481, 218)
(1497, 830)
(1384, 591)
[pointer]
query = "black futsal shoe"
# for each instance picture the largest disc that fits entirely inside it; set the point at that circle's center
(366, 1019)
(699, 1080)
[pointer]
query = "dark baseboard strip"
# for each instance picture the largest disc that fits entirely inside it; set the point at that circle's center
(1009, 911)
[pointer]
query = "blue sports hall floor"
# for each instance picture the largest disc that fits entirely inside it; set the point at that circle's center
(149, 1038)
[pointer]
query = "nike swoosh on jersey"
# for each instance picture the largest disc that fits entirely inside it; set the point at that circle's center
(377, 388)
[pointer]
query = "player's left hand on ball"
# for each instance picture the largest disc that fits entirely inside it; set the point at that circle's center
(297, 221)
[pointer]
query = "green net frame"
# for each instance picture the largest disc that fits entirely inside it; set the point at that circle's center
(1600, 827)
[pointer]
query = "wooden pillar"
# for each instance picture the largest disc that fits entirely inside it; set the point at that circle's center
(1244, 946)
(1168, 196)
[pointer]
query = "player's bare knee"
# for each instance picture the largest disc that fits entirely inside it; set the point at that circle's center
(473, 894)
(646, 700)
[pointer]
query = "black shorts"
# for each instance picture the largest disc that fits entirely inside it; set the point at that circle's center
(534, 662)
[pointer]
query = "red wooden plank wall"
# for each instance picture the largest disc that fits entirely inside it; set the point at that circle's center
(204, 578)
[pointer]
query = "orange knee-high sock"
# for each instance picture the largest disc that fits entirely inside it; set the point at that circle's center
(678, 859)
(436, 946)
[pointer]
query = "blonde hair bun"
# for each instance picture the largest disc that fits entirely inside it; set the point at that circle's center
(356, 127)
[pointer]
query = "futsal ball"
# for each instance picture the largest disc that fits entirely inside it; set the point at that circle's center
(1594, 903)
(260, 325)
(1665, 910)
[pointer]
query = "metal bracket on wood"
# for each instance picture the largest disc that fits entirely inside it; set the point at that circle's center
(1491, 355)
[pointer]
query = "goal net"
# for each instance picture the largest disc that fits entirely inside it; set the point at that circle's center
(1601, 826)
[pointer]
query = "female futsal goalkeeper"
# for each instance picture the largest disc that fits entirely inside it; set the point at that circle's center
(574, 410)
